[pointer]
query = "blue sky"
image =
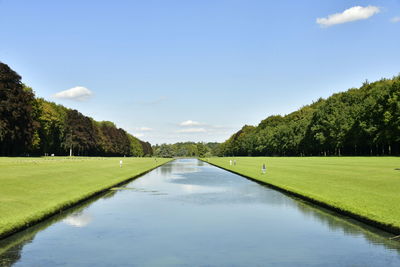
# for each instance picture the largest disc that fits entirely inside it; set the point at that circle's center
(170, 71)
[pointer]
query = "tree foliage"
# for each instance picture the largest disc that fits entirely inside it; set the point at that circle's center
(186, 149)
(364, 121)
(30, 125)
(18, 114)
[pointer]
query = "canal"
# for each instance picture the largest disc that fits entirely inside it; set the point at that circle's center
(189, 213)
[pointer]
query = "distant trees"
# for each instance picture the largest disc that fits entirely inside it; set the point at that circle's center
(147, 148)
(80, 134)
(30, 125)
(114, 141)
(63, 129)
(364, 121)
(186, 149)
(52, 132)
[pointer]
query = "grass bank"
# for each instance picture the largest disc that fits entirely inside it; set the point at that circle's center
(365, 188)
(32, 189)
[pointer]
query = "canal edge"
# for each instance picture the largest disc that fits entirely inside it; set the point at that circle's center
(382, 226)
(75, 203)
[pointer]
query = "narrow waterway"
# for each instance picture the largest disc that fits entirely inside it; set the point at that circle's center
(189, 213)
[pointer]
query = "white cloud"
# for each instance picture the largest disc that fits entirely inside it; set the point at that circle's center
(138, 135)
(351, 14)
(78, 93)
(395, 19)
(192, 130)
(145, 129)
(190, 123)
(190, 126)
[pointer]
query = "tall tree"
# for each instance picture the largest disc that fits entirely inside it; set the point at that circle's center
(17, 114)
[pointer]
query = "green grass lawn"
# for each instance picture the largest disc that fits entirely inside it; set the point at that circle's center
(364, 186)
(33, 188)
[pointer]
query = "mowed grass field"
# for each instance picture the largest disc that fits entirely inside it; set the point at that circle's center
(33, 188)
(364, 186)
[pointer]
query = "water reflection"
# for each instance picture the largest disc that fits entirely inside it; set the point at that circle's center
(11, 247)
(78, 219)
(190, 213)
(181, 166)
(348, 226)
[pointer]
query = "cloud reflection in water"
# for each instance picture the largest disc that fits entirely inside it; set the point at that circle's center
(78, 219)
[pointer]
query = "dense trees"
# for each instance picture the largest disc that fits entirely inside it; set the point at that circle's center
(63, 129)
(146, 148)
(18, 114)
(186, 149)
(364, 121)
(35, 126)
(52, 128)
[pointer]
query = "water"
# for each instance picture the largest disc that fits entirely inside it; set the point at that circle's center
(188, 213)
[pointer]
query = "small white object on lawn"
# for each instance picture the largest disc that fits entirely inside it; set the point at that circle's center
(263, 169)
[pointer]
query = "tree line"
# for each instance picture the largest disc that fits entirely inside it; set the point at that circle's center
(363, 121)
(186, 149)
(34, 126)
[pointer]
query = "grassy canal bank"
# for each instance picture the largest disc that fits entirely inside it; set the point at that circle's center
(32, 189)
(366, 188)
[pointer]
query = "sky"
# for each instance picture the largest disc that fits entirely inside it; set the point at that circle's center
(171, 71)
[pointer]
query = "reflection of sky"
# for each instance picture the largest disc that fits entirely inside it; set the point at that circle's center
(181, 167)
(170, 172)
(78, 220)
(196, 189)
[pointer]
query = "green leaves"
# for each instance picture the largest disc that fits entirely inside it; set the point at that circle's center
(187, 149)
(18, 114)
(356, 122)
(30, 125)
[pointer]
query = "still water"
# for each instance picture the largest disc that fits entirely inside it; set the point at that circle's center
(189, 213)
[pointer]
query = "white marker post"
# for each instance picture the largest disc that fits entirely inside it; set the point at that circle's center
(120, 163)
